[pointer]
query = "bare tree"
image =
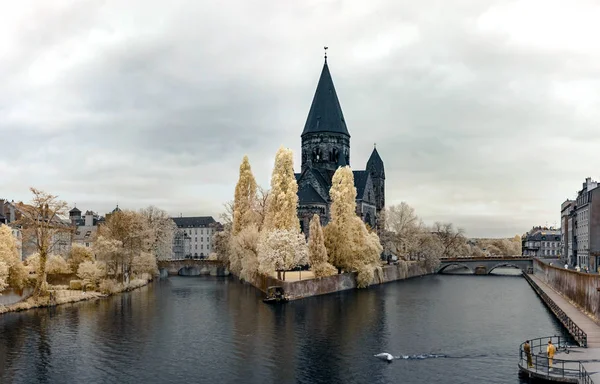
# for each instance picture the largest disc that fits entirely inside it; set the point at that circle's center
(43, 227)
(227, 216)
(451, 239)
(403, 229)
(262, 197)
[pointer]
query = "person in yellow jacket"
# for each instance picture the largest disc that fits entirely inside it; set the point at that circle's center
(527, 349)
(551, 350)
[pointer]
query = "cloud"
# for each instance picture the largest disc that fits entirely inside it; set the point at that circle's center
(485, 112)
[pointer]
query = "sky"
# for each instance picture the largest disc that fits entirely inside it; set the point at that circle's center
(486, 113)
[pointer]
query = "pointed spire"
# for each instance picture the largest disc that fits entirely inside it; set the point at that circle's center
(375, 163)
(325, 113)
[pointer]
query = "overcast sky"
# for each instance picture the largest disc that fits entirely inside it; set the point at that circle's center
(486, 113)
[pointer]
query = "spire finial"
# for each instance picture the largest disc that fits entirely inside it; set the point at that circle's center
(325, 48)
(375, 145)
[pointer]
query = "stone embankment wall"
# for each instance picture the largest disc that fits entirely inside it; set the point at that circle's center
(324, 285)
(579, 288)
(12, 296)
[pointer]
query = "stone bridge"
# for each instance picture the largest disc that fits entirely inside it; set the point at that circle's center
(485, 265)
(191, 267)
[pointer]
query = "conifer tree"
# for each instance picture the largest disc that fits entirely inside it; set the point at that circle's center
(282, 246)
(349, 244)
(282, 201)
(245, 198)
(317, 253)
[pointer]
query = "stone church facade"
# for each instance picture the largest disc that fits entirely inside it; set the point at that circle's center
(325, 147)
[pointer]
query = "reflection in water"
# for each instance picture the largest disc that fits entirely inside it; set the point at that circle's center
(205, 329)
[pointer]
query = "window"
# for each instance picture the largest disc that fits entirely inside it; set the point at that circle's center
(87, 244)
(202, 246)
(202, 231)
(196, 246)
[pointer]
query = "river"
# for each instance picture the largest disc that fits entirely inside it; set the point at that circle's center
(217, 330)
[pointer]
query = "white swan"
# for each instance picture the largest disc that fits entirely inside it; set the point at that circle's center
(385, 356)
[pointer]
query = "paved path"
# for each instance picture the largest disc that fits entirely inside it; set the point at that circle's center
(590, 357)
(581, 319)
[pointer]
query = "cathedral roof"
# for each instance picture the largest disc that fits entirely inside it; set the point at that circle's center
(307, 194)
(325, 111)
(360, 181)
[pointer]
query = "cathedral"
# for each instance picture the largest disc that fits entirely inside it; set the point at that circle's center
(325, 147)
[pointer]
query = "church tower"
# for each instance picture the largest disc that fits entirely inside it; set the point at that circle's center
(376, 170)
(325, 139)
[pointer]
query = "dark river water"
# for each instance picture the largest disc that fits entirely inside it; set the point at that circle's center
(217, 330)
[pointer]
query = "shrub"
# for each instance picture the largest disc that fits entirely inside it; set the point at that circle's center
(78, 255)
(90, 271)
(57, 264)
(3, 275)
(324, 269)
(59, 287)
(365, 276)
(109, 286)
(75, 284)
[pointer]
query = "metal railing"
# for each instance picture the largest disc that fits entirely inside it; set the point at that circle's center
(578, 334)
(540, 363)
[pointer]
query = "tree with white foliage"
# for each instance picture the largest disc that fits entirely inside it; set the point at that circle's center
(57, 264)
(317, 253)
(77, 255)
(282, 202)
(349, 244)
(338, 240)
(108, 250)
(9, 255)
(42, 226)
(130, 229)
(3, 276)
(243, 249)
(91, 272)
(281, 246)
(245, 198)
(160, 230)
(144, 262)
(281, 250)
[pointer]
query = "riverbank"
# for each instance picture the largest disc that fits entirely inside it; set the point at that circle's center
(300, 289)
(67, 296)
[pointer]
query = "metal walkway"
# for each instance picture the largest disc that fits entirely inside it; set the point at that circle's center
(590, 356)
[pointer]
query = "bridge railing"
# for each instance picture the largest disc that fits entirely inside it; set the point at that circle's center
(486, 258)
(560, 368)
(578, 334)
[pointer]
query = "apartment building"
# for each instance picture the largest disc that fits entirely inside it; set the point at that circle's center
(542, 242)
(200, 230)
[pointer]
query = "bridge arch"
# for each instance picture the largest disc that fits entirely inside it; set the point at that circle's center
(464, 266)
(505, 265)
(189, 270)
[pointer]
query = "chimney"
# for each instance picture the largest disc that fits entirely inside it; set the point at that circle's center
(89, 219)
